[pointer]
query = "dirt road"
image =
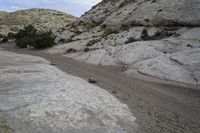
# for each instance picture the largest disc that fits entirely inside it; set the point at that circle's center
(159, 107)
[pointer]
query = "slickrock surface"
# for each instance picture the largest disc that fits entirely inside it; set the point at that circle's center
(36, 97)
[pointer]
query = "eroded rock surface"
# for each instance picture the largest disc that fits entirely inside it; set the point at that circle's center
(172, 58)
(36, 97)
(153, 37)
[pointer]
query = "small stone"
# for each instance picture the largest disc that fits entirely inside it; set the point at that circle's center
(92, 81)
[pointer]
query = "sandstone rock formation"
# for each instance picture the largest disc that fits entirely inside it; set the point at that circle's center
(38, 98)
(154, 37)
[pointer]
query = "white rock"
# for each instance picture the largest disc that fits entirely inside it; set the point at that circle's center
(38, 98)
(164, 68)
(191, 34)
(130, 54)
(97, 57)
(190, 57)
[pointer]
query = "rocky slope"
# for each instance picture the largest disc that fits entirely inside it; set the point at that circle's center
(43, 19)
(156, 38)
(37, 97)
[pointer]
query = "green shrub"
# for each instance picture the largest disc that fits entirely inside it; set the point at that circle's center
(43, 40)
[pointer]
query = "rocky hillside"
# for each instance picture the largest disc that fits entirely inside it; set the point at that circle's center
(127, 13)
(153, 37)
(43, 19)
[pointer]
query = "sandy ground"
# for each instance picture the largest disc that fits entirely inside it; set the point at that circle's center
(159, 106)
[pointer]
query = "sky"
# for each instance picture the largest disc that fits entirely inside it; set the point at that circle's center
(74, 7)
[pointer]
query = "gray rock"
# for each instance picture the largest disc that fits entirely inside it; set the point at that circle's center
(36, 97)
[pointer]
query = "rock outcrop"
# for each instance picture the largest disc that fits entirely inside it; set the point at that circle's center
(154, 37)
(36, 97)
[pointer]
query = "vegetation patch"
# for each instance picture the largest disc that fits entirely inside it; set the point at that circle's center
(164, 33)
(5, 39)
(1, 36)
(62, 40)
(92, 42)
(29, 36)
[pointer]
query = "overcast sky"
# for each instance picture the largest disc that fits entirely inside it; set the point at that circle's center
(74, 7)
